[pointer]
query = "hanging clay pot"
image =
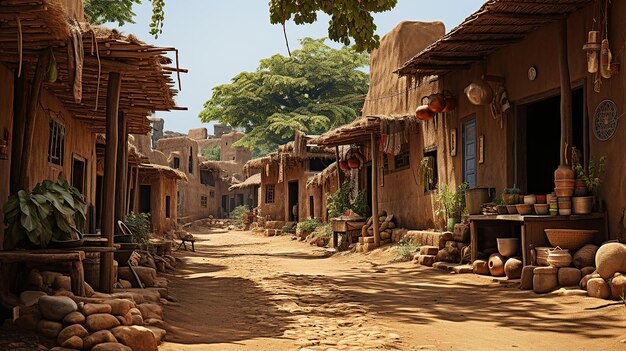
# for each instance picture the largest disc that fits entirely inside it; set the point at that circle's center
(343, 165)
(423, 112)
(437, 102)
(479, 93)
(354, 162)
(451, 101)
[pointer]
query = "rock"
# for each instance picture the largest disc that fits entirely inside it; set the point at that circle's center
(101, 321)
(597, 287)
(65, 293)
(385, 235)
(29, 318)
(62, 282)
(136, 337)
(480, 267)
(147, 275)
(151, 310)
(585, 279)
(429, 250)
(111, 346)
(528, 273)
(74, 318)
(496, 265)
(74, 342)
(137, 320)
(610, 259)
(93, 308)
(462, 269)
(618, 287)
(448, 254)
(155, 323)
(125, 284)
(586, 256)
(59, 348)
(100, 337)
(159, 333)
(126, 319)
(49, 277)
(120, 307)
(48, 328)
(587, 270)
(72, 330)
(135, 311)
(29, 298)
(569, 276)
(545, 279)
(35, 279)
(89, 291)
(461, 233)
(55, 308)
(427, 260)
(513, 268)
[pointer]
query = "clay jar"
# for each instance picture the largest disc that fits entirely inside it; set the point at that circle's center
(513, 268)
(423, 112)
(545, 279)
(354, 162)
(496, 265)
(343, 164)
(437, 102)
(451, 101)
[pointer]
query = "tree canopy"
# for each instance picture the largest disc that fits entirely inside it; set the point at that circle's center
(314, 90)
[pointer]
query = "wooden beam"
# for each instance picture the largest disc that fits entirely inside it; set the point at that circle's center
(20, 97)
(566, 93)
(451, 58)
(338, 168)
(110, 160)
(374, 194)
(528, 16)
(122, 168)
(31, 111)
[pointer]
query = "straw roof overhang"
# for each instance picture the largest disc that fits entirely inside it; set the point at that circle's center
(359, 131)
(319, 178)
(213, 166)
(497, 24)
(251, 181)
(151, 170)
(259, 163)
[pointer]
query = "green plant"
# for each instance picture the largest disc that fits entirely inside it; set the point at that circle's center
(405, 250)
(238, 212)
(139, 225)
(510, 196)
(52, 210)
(427, 173)
(339, 202)
(498, 200)
(451, 203)
(592, 176)
(310, 225)
(212, 153)
(323, 231)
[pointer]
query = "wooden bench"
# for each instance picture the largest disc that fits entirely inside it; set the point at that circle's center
(187, 239)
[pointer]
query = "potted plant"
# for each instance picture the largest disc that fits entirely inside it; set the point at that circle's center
(511, 196)
(592, 178)
(451, 203)
(51, 212)
(500, 205)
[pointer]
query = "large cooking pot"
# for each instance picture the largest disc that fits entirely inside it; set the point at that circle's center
(437, 102)
(423, 112)
(479, 93)
(476, 197)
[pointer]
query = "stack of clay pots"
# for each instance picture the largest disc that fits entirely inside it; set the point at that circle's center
(564, 182)
(504, 263)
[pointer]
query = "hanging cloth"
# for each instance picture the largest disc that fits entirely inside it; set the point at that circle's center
(78, 55)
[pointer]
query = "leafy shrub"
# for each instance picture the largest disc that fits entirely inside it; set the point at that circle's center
(323, 231)
(450, 202)
(139, 225)
(406, 249)
(238, 212)
(310, 225)
(212, 153)
(339, 201)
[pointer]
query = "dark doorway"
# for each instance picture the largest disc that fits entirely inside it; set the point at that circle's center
(145, 198)
(232, 204)
(293, 201)
(168, 207)
(224, 204)
(368, 175)
(311, 207)
(240, 200)
(469, 152)
(542, 126)
(99, 185)
(78, 174)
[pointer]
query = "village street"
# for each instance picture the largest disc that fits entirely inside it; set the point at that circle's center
(241, 291)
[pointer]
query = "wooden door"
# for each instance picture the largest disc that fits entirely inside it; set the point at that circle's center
(469, 152)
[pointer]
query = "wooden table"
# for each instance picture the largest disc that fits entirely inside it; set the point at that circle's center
(532, 228)
(346, 226)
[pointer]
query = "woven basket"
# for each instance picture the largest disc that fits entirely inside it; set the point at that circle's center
(572, 239)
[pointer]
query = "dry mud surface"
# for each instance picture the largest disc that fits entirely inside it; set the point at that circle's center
(240, 291)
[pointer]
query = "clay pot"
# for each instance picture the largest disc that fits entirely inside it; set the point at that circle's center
(524, 209)
(564, 172)
(343, 164)
(541, 199)
(436, 102)
(530, 199)
(564, 192)
(559, 258)
(565, 202)
(508, 247)
(502, 209)
(354, 162)
(479, 93)
(496, 265)
(510, 199)
(542, 255)
(580, 189)
(424, 113)
(582, 205)
(542, 209)
(513, 268)
(511, 209)
(545, 279)
(451, 101)
(564, 183)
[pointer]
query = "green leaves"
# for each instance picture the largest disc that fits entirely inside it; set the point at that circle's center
(286, 94)
(102, 11)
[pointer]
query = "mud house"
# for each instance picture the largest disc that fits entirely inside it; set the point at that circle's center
(319, 186)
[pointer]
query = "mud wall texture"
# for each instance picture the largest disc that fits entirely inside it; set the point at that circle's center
(6, 123)
(160, 188)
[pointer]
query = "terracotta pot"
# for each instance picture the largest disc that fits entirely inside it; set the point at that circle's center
(502, 209)
(496, 265)
(510, 199)
(424, 113)
(564, 192)
(564, 172)
(530, 199)
(508, 247)
(451, 101)
(582, 205)
(437, 102)
(343, 165)
(541, 199)
(542, 209)
(511, 209)
(354, 162)
(565, 211)
(524, 209)
(565, 183)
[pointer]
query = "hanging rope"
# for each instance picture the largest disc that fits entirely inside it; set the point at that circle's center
(94, 42)
(19, 46)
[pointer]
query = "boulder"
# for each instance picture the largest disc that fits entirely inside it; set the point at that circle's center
(598, 287)
(55, 308)
(585, 256)
(35, 279)
(101, 321)
(74, 318)
(426, 260)
(93, 308)
(60, 348)
(159, 333)
(74, 342)
(611, 259)
(461, 233)
(49, 329)
(448, 254)
(29, 318)
(49, 277)
(513, 268)
(136, 337)
(62, 282)
(569, 276)
(583, 282)
(89, 291)
(151, 310)
(429, 250)
(126, 319)
(618, 287)
(125, 284)
(29, 298)
(528, 274)
(480, 267)
(72, 330)
(147, 275)
(111, 346)
(120, 307)
(100, 337)
(587, 270)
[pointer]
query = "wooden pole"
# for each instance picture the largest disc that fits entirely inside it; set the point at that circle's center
(375, 223)
(566, 93)
(122, 168)
(31, 111)
(110, 160)
(19, 123)
(338, 168)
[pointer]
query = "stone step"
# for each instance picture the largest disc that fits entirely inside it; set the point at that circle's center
(429, 250)
(426, 260)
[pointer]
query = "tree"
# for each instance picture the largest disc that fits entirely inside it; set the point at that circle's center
(315, 89)
(212, 153)
(121, 11)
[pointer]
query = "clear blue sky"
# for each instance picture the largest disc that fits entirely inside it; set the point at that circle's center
(219, 38)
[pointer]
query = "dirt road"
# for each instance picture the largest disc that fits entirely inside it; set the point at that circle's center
(245, 292)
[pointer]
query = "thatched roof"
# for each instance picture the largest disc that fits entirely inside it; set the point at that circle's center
(358, 131)
(152, 169)
(252, 180)
(497, 24)
(320, 178)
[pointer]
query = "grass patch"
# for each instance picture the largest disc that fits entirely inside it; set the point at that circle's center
(405, 250)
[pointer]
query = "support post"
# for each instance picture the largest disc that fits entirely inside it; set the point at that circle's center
(375, 223)
(110, 160)
(122, 168)
(566, 93)
(19, 124)
(31, 111)
(338, 168)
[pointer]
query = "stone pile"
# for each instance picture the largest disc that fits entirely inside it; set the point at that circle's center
(160, 263)
(448, 249)
(93, 324)
(386, 225)
(608, 281)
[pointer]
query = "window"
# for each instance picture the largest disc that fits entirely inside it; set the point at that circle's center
(239, 199)
(401, 160)
(203, 201)
(317, 164)
(176, 163)
(212, 194)
(167, 207)
(191, 160)
(428, 170)
(207, 178)
(269, 193)
(56, 147)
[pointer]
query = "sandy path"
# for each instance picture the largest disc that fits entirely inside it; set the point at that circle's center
(245, 292)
